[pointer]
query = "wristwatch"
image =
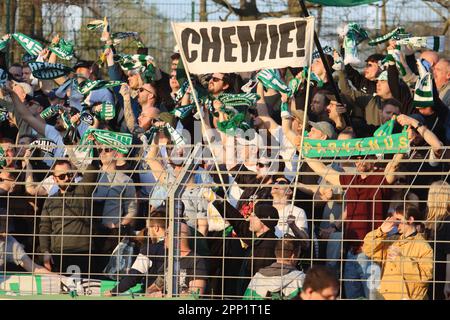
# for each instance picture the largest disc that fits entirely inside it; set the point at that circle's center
(418, 126)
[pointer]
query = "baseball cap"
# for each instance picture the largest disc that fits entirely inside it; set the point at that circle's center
(383, 76)
(324, 127)
(38, 98)
(267, 214)
(83, 64)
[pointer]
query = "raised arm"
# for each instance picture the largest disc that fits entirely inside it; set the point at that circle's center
(392, 167)
(155, 164)
(329, 174)
(37, 123)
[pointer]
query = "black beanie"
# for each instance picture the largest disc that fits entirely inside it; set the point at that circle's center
(267, 214)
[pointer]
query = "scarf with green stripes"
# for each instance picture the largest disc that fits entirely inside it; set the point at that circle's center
(2, 157)
(396, 34)
(352, 35)
(31, 46)
(184, 111)
(270, 79)
(3, 77)
(3, 43)
(48, 71)
(435, 43)
(394, 56)
(63, 49)
(137, 62)
(423, 93)
(106, 112)
(4, 114)
(116, 140)
(51, 111)
(89, 85)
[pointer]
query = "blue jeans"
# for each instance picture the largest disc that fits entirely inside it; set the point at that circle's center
(362, 276)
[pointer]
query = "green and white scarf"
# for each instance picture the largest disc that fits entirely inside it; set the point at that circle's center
(117, 37)
(238, 100)
(107, 111)
(137, 62)
(423, 94)
(63, 49)
(353, 35)
(2, 157)
(184, 111)
(3, 77)
(326, 50)
(395, 56)
(96, 85)
(3, 44)
(396, 34)
(48, 71)
(4, 114)
(181, 92)
(176, 138)
(270, 79)
(96, 25)
(116, 140)
(51, 111)
(435, 43)
(31, 46)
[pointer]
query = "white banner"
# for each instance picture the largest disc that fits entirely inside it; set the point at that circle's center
(241, 46)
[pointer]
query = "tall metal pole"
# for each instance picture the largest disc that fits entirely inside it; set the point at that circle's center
(322, 56)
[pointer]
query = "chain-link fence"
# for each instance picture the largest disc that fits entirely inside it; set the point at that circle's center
(92, 228)
(152, 19)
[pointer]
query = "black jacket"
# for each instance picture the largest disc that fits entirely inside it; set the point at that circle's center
(260, 251)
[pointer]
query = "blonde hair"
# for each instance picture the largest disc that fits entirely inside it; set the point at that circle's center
(438, 204)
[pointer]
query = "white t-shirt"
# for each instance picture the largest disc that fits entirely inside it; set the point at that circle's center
(300, 220)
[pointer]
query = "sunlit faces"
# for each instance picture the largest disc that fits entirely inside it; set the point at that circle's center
(316, 134)
(255, 224)
(371, 70)
(63, 176)
(147, 93)
(318, 104)
(173, 82)
(388, 111)
(364, 164)
(383, 89)
(107, 155)
(134, 79)
(216, 84)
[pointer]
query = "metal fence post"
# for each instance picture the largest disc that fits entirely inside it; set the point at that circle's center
(173, 261)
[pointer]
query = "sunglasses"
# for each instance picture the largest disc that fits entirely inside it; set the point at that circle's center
(64, 176)
(107, 150)
(282, 182)
(141, 89)
(262, 165)
(215, 79)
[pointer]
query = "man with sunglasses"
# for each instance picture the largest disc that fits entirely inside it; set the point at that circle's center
(66, 220)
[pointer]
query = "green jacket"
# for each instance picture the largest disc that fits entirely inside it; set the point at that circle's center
(69, 214)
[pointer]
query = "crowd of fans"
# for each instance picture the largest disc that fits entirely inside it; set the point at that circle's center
(251, 220)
